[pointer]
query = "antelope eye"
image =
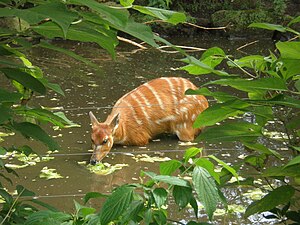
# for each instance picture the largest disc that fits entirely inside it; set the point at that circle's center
(104, 141)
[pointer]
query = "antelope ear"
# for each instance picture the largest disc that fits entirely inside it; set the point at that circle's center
(93, 119)
(115, 123)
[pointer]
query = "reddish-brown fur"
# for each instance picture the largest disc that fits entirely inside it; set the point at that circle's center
(159, 106)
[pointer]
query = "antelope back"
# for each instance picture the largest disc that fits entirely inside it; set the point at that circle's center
(153, 108)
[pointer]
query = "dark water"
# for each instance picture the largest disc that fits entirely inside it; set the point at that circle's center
(87, 90)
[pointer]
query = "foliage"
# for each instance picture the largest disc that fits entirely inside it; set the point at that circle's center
(269, 87)
(34, 23)
(269, 92)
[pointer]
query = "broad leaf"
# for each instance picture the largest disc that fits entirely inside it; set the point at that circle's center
(281, 99)
(219, 112)
(282, 171)
(116, 204)
(55, 11)
(206, 190)
(5, 114)
(261, 149)
(131, 214)
(116, 17)
(6, 96)
(47, 217)
(169, 167)
(190, 153)
(163, 14)
(225, 165)
(220, 96)
(43, 115)
(258, 85)
(23, 192)
(239, 131)
(182, 196)
(278, 196)
(197, 67)
(160, 196)
(47, 45)
(84, 31)
(91, 195)
(34, 131)
(126, 3)
(290, 56)
(168, 179)
(294, 161)
(209, 166)
(268, 26)
(24, 78)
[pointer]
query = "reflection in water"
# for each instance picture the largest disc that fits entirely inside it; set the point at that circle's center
(87, 89)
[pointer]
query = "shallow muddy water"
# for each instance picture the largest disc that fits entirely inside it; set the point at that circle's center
(87, 90)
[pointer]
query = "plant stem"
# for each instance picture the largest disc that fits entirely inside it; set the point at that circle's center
(11, 207)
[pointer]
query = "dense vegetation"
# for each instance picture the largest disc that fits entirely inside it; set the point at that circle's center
(269, 86)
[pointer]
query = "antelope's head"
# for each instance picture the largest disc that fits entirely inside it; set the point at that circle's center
(102, 137)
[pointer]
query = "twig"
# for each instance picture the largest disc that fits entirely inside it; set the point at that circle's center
(207, 28)
(189, 48)
(131, 42)
(11, 207)
(245, 45)
(191, 24)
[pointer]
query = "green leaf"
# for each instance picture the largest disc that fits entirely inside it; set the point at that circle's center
(55, 11)
(282, 171)
(43, 115)
(91, 195)
(116, 17)
(24, 78)
(239, 131)
(72, 54)
(45, 205)
(278, 196)
(47, 217)
(257, 85)
(261, 149)
(5, 114)
(194, 205)
(6, 196)
(220, 96)
(197, 67)
(163, 14)
(281, 99)
(206, 190)
(256, 62)
(225, 165)
(294, 161)
(290, 56)
(209, 166)
(168, 179)
(6, 96)
(132, 211)
(34, 131)
(295, 20)
(169, 167)
(126, 3)
(190, 153)
(289, 50)
(85, 32)
(268, 26)
(160, 196)
(23, 192)
(182, 196)
(116, 204)
(219, 112)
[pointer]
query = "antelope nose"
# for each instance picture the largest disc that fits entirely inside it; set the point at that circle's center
(93, 162)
